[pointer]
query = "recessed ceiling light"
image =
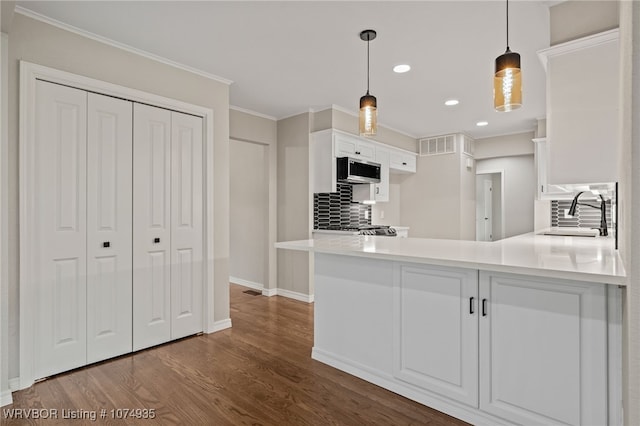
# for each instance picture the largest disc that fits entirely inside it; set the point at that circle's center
(451, 102)
(401, 68)
(482, 123)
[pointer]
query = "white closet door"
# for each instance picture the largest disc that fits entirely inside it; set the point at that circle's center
(186, 225)
(109, 210)
(60, 234)
(151, 226)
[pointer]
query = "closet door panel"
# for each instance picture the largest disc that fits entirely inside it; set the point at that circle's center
(151, 226)
(60, 230)
(109, 228)
(186, 228)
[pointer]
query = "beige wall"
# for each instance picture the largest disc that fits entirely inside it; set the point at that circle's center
(629, 204)
(248, 212)
(430, 198)
(44, 44)
(247, 127)
(295, 211)
(519, 191)
(504, 146)
(579, 18)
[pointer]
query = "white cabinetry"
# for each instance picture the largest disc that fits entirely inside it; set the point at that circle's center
(583, 109)
(116, 246)
(351, 146)
(402, 162)
(543, 350)
(487, 347)
(327, 145)
(436, 323)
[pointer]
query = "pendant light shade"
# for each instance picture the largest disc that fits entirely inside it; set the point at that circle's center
(507, 80)
(368, 103)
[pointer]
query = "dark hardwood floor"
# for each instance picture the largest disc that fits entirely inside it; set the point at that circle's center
(258, 372)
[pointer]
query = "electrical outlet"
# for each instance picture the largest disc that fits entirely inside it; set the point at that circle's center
(566, 213)
(381, 214)
(366, 214)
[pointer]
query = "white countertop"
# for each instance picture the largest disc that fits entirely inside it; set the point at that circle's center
(575, 258)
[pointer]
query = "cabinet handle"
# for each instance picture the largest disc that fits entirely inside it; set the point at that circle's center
(106, 244)
(404, 164)
(484, 307)
(471, 311)
(156, 240)
(357, 152)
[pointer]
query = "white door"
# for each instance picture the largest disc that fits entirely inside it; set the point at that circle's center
(151, 226)
(484, 213)
(186, 225)
(109, 210)
(60, 231)
(436, 335)
(543, 350)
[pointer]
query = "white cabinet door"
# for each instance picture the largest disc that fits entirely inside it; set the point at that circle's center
(348, 146)
(109, 210)
(543, 350)
(60, 233)
(401, 162)
(186, 225)
(583, 97)
(151, 226)
(382, 188)
(436, 330)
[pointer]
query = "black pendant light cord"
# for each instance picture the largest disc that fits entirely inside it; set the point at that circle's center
(507, 25)
(368, 39)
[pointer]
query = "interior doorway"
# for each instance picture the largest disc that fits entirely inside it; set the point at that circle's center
(248, 214)
(489, 206)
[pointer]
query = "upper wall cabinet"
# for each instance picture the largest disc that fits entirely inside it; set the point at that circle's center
(327, 145)
(350, 146)
(583, 98)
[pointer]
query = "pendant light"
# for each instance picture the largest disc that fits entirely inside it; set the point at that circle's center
(368, 103)
(507, 81)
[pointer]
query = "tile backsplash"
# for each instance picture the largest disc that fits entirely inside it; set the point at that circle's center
(586, 217)
(335, 209)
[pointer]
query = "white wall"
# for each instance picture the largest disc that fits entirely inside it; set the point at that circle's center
(248, 212)
(519, 191)
(44, 44)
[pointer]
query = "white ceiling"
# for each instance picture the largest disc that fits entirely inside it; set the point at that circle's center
(288, 57)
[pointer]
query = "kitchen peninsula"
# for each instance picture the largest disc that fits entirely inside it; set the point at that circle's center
(524, 330)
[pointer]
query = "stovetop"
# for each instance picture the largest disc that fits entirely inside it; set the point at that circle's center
(366, 230)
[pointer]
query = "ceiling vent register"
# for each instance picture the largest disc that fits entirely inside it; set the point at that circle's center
(439, 145)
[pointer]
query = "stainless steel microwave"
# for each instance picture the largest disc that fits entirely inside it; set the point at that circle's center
(353, 170)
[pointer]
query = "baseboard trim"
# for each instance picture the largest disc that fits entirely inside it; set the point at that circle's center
(387, 381)
(5, 398)
(221, 325)
(269, 292)
(246, 283)
(308, 298)
(14, 384)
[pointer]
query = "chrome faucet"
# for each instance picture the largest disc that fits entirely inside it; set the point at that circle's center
(603, 212)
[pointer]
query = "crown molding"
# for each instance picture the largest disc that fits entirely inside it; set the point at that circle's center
(250, 112)
(87, 34)
(577, 44)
